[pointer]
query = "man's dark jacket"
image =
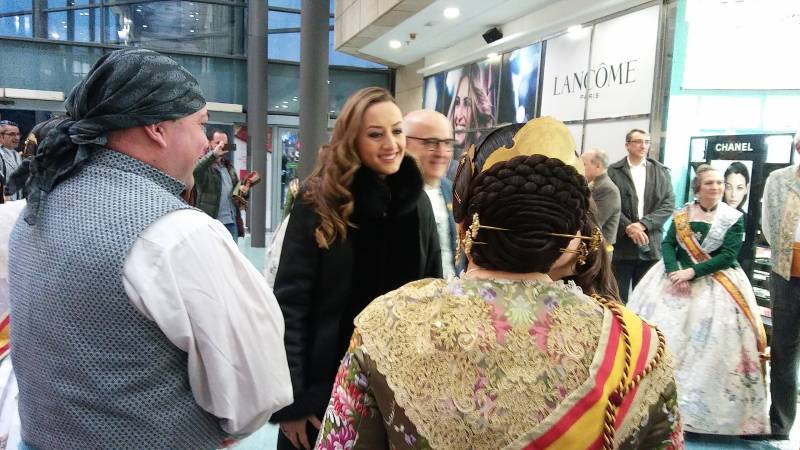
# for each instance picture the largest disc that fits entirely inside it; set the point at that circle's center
(659, 203)
(321, 291)
(606, 195)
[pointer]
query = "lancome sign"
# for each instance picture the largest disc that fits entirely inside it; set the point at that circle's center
(617, 81)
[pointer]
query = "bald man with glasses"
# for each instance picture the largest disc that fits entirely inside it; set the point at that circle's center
(9, 157)
(429, 138)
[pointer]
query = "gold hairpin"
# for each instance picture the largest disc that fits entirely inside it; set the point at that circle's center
(595, 240)
(581, 251)
(471, 234)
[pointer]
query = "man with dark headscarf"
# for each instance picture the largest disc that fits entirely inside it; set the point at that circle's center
(137, 323)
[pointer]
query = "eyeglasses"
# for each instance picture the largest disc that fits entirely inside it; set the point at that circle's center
(640, 141)
(431, 144)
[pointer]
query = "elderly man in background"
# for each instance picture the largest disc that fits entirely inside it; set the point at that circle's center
(10, 159)
(604, 193)
(137, 323)
(429, 137)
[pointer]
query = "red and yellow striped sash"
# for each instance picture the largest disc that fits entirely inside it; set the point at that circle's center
(585, 424)
(690, 244)
(5, 331)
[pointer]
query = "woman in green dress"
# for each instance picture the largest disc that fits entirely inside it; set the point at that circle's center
(702, 301)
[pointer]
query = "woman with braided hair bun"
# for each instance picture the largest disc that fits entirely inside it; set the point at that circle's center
(503, 357)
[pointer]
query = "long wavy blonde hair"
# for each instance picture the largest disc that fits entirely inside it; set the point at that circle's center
(329, 185)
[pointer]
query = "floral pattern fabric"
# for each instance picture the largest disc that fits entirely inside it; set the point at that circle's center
(720, 379)
(497, 398)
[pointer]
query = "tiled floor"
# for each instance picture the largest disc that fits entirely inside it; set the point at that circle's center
(266, 437)
(698, 442)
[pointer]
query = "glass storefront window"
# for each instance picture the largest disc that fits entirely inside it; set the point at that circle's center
(48, 67)
(343, 59)
(283, 88)
(19, 26)
(63, 3)
(178, 25)
(82, 25)
(278, 19)
(222, 79)
(345, 83)
(12, 6)
(283, 46)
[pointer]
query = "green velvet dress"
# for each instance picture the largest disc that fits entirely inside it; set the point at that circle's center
(675, 257)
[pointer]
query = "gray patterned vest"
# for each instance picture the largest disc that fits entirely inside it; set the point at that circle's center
(92, 371)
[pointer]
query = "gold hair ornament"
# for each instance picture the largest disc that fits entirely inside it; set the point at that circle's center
(471, 235)
(595, 240)
(542, 136)
(467, 162)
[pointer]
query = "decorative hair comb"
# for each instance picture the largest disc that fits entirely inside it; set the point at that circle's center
(595, 240)
(471, 235)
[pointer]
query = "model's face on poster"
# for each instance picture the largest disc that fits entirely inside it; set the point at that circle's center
(735, 189)
(462, 110)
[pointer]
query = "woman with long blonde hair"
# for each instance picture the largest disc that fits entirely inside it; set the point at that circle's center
(361, 226)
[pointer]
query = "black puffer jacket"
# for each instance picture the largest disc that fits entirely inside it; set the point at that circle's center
(321, 291)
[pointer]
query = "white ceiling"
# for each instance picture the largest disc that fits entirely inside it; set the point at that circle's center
(434, 32)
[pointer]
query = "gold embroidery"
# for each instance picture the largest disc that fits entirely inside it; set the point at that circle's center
(788, 224)
(650, 389)
(507, 354)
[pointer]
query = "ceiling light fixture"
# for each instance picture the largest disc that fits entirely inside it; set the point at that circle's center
(451, 13)
(394, 43)
(575, 29)
(492, 55)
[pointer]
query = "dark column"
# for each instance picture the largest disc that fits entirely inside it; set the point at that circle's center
(257, 115)
(314, 16)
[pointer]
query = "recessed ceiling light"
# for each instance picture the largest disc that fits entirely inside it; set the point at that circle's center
(394, 43)
(492, 55)
(451, 13)
(574, 29)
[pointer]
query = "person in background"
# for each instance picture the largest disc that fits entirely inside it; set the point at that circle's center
(503, 356)
(10, 159)
(430, 140)
(780, 222)
(215, 179)
(359, 227)
(118, 287)
(9, 411)
(646, 202)
(604, 193)
(703, 302)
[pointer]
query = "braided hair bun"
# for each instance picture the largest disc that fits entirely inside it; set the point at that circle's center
(530, 196)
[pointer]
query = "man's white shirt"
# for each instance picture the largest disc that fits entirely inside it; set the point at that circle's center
(186, 274)
(639, 176)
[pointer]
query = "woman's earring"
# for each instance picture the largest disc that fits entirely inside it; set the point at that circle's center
(582, 251)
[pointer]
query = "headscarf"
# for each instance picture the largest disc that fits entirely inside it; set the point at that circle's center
(124, 89)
